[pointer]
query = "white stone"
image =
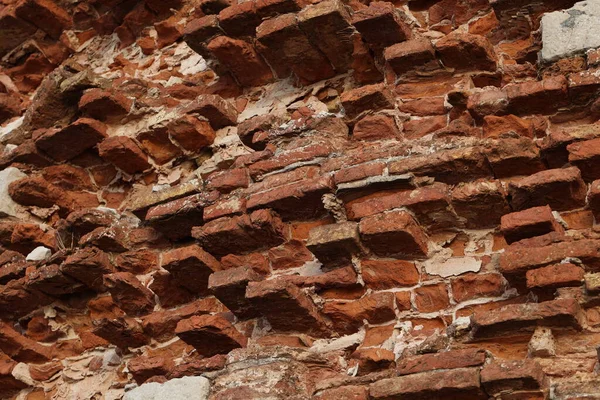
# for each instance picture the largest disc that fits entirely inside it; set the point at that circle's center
(542, 343)
(7, 206)
(570, 31)
(186, 388)
(452, 266)
(39, 253)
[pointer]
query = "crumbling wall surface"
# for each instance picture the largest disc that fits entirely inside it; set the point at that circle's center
(286, 199)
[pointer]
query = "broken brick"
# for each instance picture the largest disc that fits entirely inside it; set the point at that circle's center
(191, 133)
(219, 112)
(102, 105)
(480, 203)
(45, 14)
(528, 223)
(20, 348)
(381, 24)
(65, 144)
(501, 375)
(124, 153)
(129, 293)
(88, 265)
(191, 267)
(388, 274)
(464, 51)
(375, 127)
(537, 97)
(475, 285)
(157, 144)
(229, 286)
(239, 19)
(366, 98)
(585, 155)
(554, 276)
(210, 334)
(334, 245)
(404, 57)
(347, 317)
(430, 298)
(443, 360)
(122, 332)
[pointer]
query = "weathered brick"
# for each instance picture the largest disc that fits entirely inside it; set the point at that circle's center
(243, 234)
(284, 159)
(129, 293)
(287, 49)
(191, 133)
(122, 332)
(191, 267)
(45, 14)
(561, 189)
(286, 307)
(375, 127)
(347, 317)
(539, 97)
(594, 199)
(124, 153)
(366, 98)
(292, 254)
(388, 274)
(480, 203)
(473, 285)
(430, 298)
(176, 218)
(344, 392)
(460, 383)
(102, 105)
(404, 57)
(393, 233)
(65, 144)
(585, 156)
(242, 60)
(50, 280)
(88, 265)
(334, 245)
(21, 348)
(513, 157)
(451, 359)
(381, 24)
(229, 286)
(199, 30)
(518, 317)
(463, 51)
(239, 19)
(489, 101)
(501, 375)
(155, 141)
(210, 334)
(217, 110)
(528, 223)
(13, 30)
(553, 276)
(272, 8)
(143, 368)
(494, 126)
(299, 200)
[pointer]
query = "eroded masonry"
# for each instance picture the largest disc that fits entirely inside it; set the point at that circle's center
(299, 200)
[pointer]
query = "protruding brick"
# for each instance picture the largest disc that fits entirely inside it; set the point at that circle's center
(239, 19)
(480, 203)
(155, 141)
(344, 392)
(13, 31)
(242, 60)
(122, 332)
(554, 276)
(45, 14)
(513, 157)
(334, 244)
(528, 223)
(50, 280)
(210, 334)
(217, 110)
(388, 274)
(594, 199)
(502, 375)
(370, 97)
(229, 286)
(88, 265)
(143, 368)
(474, 285)
(191, 133)
(129, 293)
(327, 24)
(20, 348)
(347, 317)
(494, 126)
(430, 298)
(393, 233)
(451, 359)
(463, 51)
(102, 105)
(64, 144)
(537, 97)
(272, 8)
(287, 49)
(124, 153)
(191, 266)
(586, 156)
(200, 30)
(460, 383)
(381, 24)
(286, 307)
(404, 57)
(375, 127)
(518, 317)
(561, 189)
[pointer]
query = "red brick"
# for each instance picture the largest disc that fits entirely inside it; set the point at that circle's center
(502, 375)
(271, 8)
(229, 286)
(359, 172)
(344, 277)
(218, 111)
(88, 266)
(157, 144)
(210, 334)
(287, 49)
(393, 233)
(256, 261)
(344, 392)
(594, 199)
(481, 204)
(561, 189)
(124, 153)
(191, 133)
(199, 30)
(65, 144)
(364, 68)
(424, 107)
(406, 56)
(375, 127)
(586, 155)
(366, 98)
(518, 259)
(286, 307)
(46, 15)
(242, 60)
(50, 280)
(13, 30)
(300, 200)
(417, 128)
(176, 218)
(460, 383)
(388, 274)
(488, 101)
(191, 267)
(372, 360)
(471, 286)
(543, 97)
(494, 126)
(45, 371)
(122, 332)
(528, 223)
(513, 157)
(347, 317)
(143, 368)
(102, 105)
(432, 298)
(381, 24)
(229, 180)
(444, 164)
(169, 292)
(292, 254)
(243, 234)
(137, 262)
(239, 19)
(451, 359)
(517, 317)
(225, 207)
(287, 158)
(334, 244)
(553, 276)
(20, 348)
(129, 293)
(463, 51)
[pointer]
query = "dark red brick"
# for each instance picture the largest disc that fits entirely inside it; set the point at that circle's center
(191, 267)
(210, 334)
